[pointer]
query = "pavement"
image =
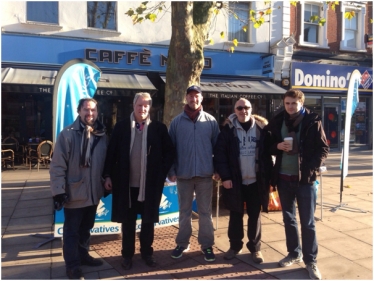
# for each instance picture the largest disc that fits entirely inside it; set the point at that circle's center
(345, 236)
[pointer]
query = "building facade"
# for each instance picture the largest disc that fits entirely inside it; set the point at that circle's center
(38, 38)
(323, 58)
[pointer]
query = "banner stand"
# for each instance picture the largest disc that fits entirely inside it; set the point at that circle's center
(49, 238)
(341, 204)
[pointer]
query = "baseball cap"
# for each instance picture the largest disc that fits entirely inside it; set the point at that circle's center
(193, 88)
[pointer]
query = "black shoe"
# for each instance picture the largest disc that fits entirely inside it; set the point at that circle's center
(90, 261)
(75, 273)
(149, 261)
(126, 263)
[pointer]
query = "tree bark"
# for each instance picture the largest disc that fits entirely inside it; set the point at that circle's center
(190, 23)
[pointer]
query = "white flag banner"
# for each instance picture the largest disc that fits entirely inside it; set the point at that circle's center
(352, 101)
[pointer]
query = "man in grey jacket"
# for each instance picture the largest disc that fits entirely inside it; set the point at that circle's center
(194, 134)
(75, 173)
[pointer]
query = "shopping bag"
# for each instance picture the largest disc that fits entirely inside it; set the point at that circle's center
(274, 201)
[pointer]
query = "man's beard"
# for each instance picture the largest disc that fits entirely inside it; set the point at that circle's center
(89, 122)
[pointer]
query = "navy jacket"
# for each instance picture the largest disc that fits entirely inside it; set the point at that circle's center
(313, 147)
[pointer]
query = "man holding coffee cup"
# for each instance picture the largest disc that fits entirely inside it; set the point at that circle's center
(298, 141)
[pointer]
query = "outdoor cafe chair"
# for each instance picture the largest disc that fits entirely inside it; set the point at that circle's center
(42, 154)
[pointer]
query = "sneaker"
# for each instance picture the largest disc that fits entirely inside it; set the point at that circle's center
(257, 257)
(313, 271)
(75, 273)
(178, 252)
(209, 255)
(230, 254)
(288, 260)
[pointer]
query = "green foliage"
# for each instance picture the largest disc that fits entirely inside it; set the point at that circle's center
(150, 12)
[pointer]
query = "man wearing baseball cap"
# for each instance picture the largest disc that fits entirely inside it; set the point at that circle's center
(194, 133)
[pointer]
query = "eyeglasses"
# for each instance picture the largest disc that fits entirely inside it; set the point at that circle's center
(240, 108)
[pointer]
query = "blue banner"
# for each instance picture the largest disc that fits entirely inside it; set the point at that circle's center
(169, 214)
(77, 79)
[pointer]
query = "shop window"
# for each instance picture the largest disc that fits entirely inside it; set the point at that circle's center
(354, 28)
(312, 34)
(102, 15)
(236, 24)
(42, 12)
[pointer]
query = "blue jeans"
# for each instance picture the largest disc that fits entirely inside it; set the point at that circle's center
(305, 194)
(203, 188)
(76, 236)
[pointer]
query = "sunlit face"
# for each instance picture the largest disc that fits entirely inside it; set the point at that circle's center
(88, 113)
(292, 105)
(194, 99)
(243, 110)
(141, 109)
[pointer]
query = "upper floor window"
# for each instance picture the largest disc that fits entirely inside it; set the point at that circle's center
(102, 15)
(354, 28)
(312, 34)
(236, 24)
(42, 11)
(350, 32)
(310, 27)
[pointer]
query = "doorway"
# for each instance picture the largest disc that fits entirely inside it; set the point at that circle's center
(332, 124)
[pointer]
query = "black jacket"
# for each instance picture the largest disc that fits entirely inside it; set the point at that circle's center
(160, 157)
(313, 147)
(227, 165)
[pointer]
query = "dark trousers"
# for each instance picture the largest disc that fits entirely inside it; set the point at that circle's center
(252, 199)
(291, 192)
(128, 230)
(76, 236)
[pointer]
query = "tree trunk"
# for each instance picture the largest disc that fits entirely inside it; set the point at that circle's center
(190, 23)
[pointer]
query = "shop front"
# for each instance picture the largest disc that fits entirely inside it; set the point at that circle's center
(325, 87)
(28, 79)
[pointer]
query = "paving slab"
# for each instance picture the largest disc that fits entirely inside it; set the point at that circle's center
(17, 238)
(348, 247)
(41, 203)
(365, 235)
(32, 211)
(340, 268)
(30, 224)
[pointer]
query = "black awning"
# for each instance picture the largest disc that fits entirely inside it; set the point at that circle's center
(27, 80)
(235, 88)
(124, 85)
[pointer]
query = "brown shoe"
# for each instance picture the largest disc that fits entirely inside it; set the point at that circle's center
(74, 273)
(257, 257)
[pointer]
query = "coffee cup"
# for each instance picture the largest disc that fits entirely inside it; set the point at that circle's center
(289, 140)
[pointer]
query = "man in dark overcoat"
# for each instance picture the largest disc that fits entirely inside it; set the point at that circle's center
(139, 156)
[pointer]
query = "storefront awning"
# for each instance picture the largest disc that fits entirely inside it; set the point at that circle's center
(27, 80)
(41, 81)
(221, 86)
(124, 85)
(125, 81)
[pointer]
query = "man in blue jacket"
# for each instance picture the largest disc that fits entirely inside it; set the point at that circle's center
(194, 134)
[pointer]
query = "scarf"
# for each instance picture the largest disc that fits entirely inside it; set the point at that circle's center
(87, 141)
(192, 113)
(292, 123)
(143, 156)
